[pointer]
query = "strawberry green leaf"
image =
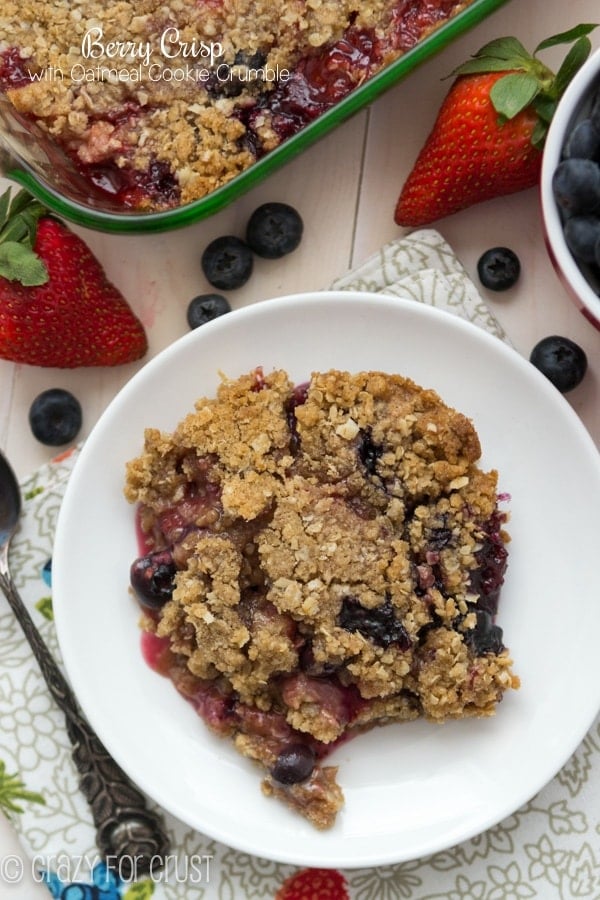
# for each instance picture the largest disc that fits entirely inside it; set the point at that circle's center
(17, 230)
(21, 201)
(566, 37)
(28, 223)
(545, 107)
(538, 135)
(513, 93)
(19, 216)
(572, 62)
(4, 205)
(19, 263)
(503, 54)
(507, 48)
(22, 225)
(485, 64)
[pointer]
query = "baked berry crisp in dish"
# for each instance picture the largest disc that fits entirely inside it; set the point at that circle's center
(159, 104)
(317, 560)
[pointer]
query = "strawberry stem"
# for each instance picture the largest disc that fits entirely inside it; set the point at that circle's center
(529, 82)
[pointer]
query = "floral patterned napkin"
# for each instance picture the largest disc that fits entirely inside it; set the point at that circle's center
(548, 849)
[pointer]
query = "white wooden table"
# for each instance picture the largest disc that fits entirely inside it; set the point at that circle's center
(345, 188)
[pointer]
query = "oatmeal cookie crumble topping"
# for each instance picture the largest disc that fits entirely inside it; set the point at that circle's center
(161, 103)
(337, 556)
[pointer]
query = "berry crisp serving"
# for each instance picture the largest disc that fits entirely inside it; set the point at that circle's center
(317, 559)
(160, 103)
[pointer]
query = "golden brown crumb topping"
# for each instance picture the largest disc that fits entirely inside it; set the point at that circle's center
(339, 556)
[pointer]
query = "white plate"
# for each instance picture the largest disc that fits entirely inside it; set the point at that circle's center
(410, 789)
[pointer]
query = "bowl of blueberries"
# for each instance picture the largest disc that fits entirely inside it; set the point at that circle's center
(570, 189)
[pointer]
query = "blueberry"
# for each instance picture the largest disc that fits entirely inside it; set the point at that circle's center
(227, 262)
(583, 142)
(294, 764)
(582, 234)
(55, 417)
(487, 579)
(369, 452)
(562, 361)
(274, 230)
(485, 637)
(230, 79)
(576, 186)
(439, 538)
(378, 625)
(499, 268)
(152, 578)
(206, 307)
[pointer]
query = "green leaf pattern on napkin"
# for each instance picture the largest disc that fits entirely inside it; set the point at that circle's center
(13, 793)
(550, 848)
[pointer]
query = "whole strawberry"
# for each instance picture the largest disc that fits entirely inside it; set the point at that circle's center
(314, 884)
(488, 137)
(57, 307)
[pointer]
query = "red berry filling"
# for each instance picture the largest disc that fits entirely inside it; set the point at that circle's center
(316, 84)
(410, 18)
(14, 71)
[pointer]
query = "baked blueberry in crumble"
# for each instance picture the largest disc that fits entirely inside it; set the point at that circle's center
(152, 577)
(318, 559)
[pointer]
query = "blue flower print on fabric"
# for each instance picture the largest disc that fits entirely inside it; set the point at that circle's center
(105, 886)
(47, 573)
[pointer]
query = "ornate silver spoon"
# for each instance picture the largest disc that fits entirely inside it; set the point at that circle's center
(127, 832)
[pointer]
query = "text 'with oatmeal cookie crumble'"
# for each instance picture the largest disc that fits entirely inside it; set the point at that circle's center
(159, 104)
(316, 560)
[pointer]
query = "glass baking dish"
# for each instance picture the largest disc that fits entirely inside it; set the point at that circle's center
(31, 159)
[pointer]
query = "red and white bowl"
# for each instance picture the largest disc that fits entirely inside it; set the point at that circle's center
(582, 284)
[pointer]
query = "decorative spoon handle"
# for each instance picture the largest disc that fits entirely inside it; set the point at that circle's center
(128, 833)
